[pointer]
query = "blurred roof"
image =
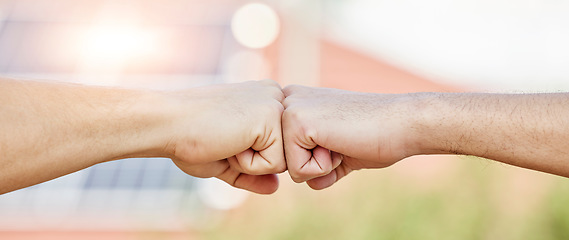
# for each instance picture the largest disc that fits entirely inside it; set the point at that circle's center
(349, 69)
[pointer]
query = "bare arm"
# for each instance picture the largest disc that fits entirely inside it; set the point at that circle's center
(363, 130)
(48, 130)
(526, 130)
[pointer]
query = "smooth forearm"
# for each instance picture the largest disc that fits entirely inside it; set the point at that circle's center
(49, 130)
(232, 132)
(527, 130)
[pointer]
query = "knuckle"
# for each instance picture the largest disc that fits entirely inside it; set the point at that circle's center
(301, 176)
(278, 94)
(311, 170)
(279, 167)
(292, 114)
(261, 169)
(254, 171)
(260, 166)
(279, 110)
(287, 102)
(299, 119)
(267, 81)
(270, 83)
(261, 134)
(295, 177)
(275, 166)
(277, 107)
(298, 174)
(290, 89)
(298, 178)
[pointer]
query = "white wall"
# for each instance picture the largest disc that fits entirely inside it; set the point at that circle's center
(495, 45)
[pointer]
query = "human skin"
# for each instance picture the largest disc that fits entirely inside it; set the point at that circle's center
(328, 132)
(232, 132)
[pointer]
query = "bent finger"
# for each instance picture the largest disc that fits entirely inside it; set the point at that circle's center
(329, 179)
(310, 164)
(266, 155)
(204, 170)
(262, 184)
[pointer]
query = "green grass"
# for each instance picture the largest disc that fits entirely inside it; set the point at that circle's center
(471, 203)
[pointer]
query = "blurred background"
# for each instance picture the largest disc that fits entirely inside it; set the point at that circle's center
(360, 45)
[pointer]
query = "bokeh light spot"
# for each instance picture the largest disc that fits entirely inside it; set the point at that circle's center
(255, 25)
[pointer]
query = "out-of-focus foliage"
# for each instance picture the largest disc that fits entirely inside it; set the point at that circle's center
(477, 200)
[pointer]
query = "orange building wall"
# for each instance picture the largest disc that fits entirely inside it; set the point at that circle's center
(350, 70)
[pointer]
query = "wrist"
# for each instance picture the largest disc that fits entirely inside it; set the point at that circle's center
(142, 124)
(428, 124)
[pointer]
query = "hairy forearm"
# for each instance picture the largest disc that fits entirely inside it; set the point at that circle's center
(526, 130)
(49, 130)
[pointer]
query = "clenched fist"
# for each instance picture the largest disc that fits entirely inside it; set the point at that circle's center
(232, 132)
(329, 132)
